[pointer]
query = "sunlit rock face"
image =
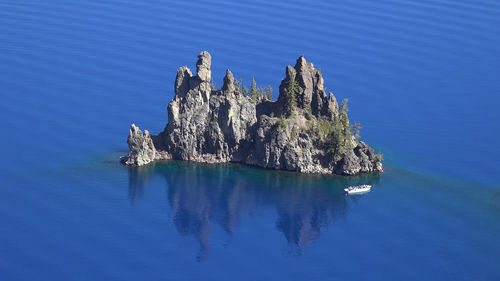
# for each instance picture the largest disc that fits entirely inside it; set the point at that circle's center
(142, 149)
(228, 125)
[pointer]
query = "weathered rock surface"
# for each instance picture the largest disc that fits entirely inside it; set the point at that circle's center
(218, 126)
(142, 149)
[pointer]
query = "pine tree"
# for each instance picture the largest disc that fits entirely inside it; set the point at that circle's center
(254, 92)
(292, 89)
(343, 106)
(269, 93)
(245, 91)
(239, 84)
(355, 129)
(341, 135)
(345, 126)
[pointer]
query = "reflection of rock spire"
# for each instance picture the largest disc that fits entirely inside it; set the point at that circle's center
(302, 225)
(202, 196)
(138, 179)
(194, 220)
(306, 209)
(299, 229)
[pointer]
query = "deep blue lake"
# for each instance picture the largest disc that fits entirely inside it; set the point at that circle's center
(422, 77)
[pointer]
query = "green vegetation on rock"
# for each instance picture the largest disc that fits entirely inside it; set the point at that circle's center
(292, 90)
(253, 90)
(293, 134)
(282, 123)
(335, 134)
(269, 93)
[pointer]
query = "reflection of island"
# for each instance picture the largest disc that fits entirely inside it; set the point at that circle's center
(205, 194)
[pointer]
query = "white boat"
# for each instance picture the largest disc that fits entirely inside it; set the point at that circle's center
(358, 189)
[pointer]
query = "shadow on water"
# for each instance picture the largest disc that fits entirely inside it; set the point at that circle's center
(202, 195)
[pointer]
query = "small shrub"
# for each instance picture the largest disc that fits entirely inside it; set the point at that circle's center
(239, 85)
(282, 123)
(293, 135)
(309, 114)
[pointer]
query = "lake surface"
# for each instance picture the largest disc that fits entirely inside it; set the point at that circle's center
(422, 77)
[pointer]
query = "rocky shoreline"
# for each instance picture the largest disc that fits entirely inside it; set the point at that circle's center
(305, 130)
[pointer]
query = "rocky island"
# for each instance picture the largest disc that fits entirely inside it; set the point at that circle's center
(305, 130)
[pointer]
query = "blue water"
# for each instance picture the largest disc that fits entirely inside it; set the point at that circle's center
(422, 77)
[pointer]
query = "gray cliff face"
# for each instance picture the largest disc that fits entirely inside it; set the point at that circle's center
(142, 149)
(218, 126)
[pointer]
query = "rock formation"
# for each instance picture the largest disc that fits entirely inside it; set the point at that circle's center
(303, 131)
(142, 150)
